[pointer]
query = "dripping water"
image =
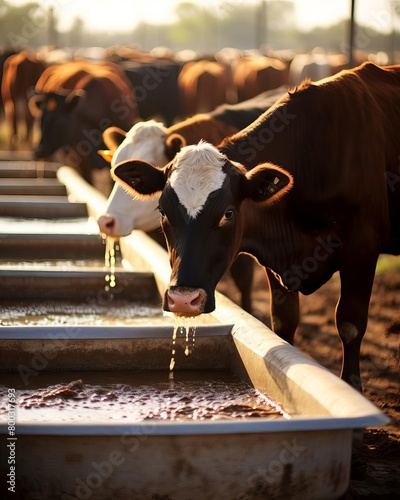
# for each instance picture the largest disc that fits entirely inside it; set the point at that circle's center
(183, 328)
(111, 248)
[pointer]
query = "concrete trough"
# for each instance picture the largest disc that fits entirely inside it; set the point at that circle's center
(24, 166)
(93, 348)
(40, 207)
(73, 285)
(50, 239)
(31, 246)
(32, 186)
(309, 452)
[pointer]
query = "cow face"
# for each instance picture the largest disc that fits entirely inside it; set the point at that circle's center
(202, 216)
(57, 121)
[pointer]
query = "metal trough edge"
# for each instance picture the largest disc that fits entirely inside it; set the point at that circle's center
(106, 332)
(160, 428)
(80, 191)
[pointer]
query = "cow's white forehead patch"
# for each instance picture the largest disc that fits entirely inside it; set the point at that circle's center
(145, 140)
(197, 173)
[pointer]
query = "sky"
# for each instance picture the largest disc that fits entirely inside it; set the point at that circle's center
(123, 15)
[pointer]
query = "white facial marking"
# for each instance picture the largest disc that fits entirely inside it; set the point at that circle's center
(197, 173)
(145, 141)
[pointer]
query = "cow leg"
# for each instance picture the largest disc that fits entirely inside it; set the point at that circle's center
(285, 310)
(30, 121)
(352, 314)
(242, 272)
(11, 118)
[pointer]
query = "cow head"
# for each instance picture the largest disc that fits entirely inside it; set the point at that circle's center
(147, 141)
(57, 124)
(202, 216)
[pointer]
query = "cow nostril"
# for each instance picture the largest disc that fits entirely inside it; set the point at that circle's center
(106, 224)
(196, 300)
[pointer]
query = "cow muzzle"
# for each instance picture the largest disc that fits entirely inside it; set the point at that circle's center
(185, 301)
(109, 225)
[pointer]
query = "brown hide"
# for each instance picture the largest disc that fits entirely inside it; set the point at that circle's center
(203, 86)
(20, 74)
(253, 75)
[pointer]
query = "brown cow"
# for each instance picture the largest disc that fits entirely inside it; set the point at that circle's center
(203, 86)
(20, 74)
(76, 102)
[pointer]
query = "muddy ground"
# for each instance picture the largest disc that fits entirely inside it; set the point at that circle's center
(376, 464)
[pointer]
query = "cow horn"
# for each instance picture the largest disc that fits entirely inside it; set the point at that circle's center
(173, 144)
(106, 154)
(34, 104)
(113, 137)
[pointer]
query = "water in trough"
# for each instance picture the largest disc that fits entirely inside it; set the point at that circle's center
(59, 397)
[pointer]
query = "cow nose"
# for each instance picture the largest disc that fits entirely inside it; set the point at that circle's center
(106, 225)
(185, 301)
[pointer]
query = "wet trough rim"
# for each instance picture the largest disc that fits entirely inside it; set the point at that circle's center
(158, 428)
(86, 332)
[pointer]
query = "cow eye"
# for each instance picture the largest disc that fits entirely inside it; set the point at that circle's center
(229, 214)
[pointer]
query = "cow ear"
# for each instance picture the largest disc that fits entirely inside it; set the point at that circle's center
(113, 137)
(139, 178)
(267, 182)
(173, 144)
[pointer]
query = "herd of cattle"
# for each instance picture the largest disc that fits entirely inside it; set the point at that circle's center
(302, 175)
(75, 101)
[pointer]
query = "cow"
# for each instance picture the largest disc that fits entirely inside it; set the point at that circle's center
(203, 85)
(152, 141)
(21, 71)
(309, 189)
(75, 102)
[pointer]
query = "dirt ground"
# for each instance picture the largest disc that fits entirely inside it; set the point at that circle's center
(376, 464)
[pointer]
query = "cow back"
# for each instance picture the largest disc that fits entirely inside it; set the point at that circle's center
(343, 137)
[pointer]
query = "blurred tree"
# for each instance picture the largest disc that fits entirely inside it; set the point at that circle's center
(395, 4)
(76, 33)
(23, 26)
(202, 28)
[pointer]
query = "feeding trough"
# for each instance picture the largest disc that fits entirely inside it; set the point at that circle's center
(304, 451)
